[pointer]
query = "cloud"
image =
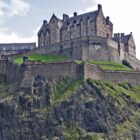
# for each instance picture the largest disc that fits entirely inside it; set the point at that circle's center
(19, 7)
(9, 9)
(12, 8)
(7, 36)
(90, 5)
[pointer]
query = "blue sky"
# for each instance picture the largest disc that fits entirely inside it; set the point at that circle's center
(21, 19)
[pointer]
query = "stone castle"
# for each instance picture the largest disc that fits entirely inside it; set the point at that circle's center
(84, 37)
(87, 37)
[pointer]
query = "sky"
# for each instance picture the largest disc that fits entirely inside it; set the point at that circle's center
(20, 20)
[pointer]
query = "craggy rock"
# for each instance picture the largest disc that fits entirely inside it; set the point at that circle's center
(34, 117)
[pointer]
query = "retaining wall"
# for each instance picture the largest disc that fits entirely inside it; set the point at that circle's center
(96, 73)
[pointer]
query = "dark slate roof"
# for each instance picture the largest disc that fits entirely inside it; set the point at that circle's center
(17, 46)
(124, 39)
(44, 28)
(79, 18)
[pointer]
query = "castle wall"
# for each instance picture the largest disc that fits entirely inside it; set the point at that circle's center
(14, 73)
(2, 66)
(101, 49)
(53, 71)
(85, 48)
(94, 72)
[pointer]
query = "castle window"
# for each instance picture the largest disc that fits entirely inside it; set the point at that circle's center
(74, 21)
(42, 44)
(68, 27)
(107, 35)
(71, 36)
(75, 26)
(68, 23)
(81, 20)
(47, 34)
(85, 33)
(61, 49)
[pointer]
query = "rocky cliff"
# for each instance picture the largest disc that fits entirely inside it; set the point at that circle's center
(70, 110)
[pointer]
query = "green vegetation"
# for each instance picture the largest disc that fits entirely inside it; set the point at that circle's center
(79, 62)
(75, 133)
(105, 65)
(116, 90)
(42, 58)
(6, 91)
(65, 89)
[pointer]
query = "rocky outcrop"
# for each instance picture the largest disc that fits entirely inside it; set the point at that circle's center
(69, 110)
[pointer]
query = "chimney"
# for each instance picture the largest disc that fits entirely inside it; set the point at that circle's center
(108, 18)
(116, 35)
(65, 16)
(45, 22)
(99, 7)
(122, 34)
(75, 14)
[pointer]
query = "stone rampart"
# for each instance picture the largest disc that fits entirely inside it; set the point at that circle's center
(96, 73)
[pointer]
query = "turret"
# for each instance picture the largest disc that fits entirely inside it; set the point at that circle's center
(99, 7)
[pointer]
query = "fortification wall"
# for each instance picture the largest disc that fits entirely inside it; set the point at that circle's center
(14, 73)
(2, 66)
(94, 72)
(85, 48)
(71, 49)
(54, 71)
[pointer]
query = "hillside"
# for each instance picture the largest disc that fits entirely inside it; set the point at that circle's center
(70, 110)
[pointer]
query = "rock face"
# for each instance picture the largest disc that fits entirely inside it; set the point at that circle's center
(69, 110)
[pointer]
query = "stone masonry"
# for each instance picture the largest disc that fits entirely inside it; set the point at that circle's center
(86, 37)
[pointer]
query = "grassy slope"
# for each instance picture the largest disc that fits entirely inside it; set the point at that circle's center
(55, 58)
(111, 65)
(43, 58)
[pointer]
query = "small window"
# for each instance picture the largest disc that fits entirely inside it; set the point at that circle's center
(75, 26)
(85, 33)
(47, 34)
(74, 21)
(71, 36)
(68, 27)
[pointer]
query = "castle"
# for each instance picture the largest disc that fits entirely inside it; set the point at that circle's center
(87, 37)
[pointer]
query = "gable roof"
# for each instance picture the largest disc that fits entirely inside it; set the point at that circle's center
(79, 18)
(54, 16)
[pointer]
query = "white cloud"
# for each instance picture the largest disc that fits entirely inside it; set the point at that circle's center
(15, 7)
(9, 10)
(7, 36)
(11, 37)
(19, 7)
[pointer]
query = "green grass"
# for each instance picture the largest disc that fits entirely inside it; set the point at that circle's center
(76, 133)
(116, 90)
(105, 65)
(42, 58)
(65, 89)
